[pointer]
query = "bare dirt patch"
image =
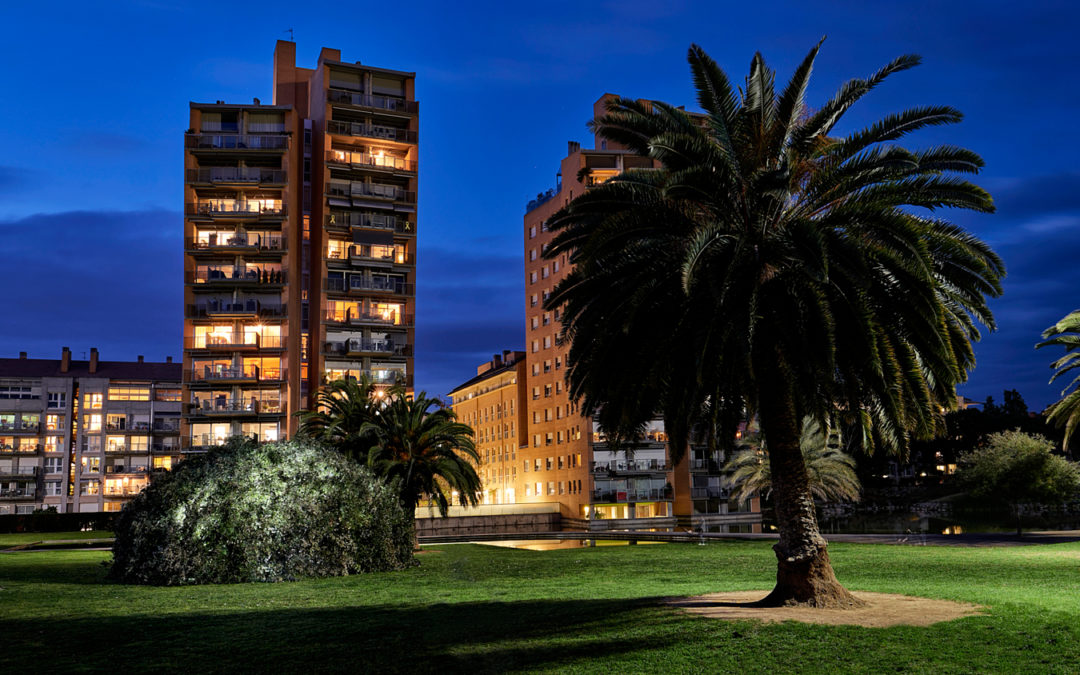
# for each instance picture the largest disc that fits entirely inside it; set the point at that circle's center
(881, 610)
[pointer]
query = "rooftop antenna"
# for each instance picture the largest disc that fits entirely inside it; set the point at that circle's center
(290, 32)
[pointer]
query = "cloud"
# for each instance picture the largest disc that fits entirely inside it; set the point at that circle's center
(14, 179)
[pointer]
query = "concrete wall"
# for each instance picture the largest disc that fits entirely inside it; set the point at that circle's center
(514, 523)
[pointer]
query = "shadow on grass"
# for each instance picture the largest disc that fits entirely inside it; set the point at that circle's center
(476, 637)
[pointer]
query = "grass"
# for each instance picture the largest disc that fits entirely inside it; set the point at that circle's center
(485, 609)
(30, 537)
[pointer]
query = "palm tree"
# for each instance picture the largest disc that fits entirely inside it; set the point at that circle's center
(1065, 333)
(342, 408)
(766, 267)
(830, 471)
(420, 445)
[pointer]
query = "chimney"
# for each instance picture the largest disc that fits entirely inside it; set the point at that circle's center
(22, 355)
(168, 359)
(93, 360)
(572, 147)
(65, 360)
(255, 101)
(140, 358)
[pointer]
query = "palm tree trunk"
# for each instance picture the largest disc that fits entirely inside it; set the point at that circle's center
(804, 575)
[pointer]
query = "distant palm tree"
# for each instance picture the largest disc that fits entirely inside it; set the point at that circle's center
(1065, 333)
(422, 447)
(768, 267)
(830, 471)
(342, 408)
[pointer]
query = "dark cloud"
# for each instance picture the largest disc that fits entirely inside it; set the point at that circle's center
(112, 280)
(449, 350)
(1038, 195)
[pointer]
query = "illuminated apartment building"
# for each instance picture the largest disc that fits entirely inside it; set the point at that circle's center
(300, 244)
(84, 436)
(562, 455)
(493, 404)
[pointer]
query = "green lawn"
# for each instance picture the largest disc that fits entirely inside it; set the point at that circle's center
(483, 609)
(7, 540)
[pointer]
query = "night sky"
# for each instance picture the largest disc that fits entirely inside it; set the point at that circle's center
(96, 102)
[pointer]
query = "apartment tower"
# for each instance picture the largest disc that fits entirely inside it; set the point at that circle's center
(300, 245)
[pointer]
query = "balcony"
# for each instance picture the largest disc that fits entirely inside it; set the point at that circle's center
(165, 447)
(705, 465)
(234, 342)
(250, 275)
(629, 466)
(134, 427)
(621, 496)
(359, 284)
(19, 493)
(366, 160)
(231, 407)
(374, 318)
(384, 133)
(357, 347)
(171, 424)
(348, 219)
(708, 493)
(20, 472)
(123, 491)
(236, 175)
(223, 208)
(385, 104)
(210, 374)
(126, 469)
(8, 428)
(235, 243)
(360, 189)
(242, 142)
(249, 309)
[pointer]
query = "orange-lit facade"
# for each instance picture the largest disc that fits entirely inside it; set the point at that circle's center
(493, 404)
(562, 455)
(300, 245)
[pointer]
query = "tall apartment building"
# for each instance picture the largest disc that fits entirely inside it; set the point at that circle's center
(300, 244)
(493, 404)
(563, 455)
(83, 436)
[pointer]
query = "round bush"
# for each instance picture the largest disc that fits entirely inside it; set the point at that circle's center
(273, 512)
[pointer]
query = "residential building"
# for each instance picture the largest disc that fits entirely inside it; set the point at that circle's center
(562, 454)
(493, 404)
(300, 245)
(86, 435)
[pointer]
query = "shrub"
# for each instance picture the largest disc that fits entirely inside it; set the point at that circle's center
(273, 512)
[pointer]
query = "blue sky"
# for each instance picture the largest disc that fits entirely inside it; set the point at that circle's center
(95, 105)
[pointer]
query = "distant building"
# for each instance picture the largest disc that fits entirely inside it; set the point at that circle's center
(493, 404)
(300, 245)
(561, 455)
(84, 436)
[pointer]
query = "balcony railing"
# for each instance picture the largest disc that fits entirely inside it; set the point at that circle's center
(252, 308)
(234, 341)
(232, 207)
(235, 174)
(248, 243)
(381, 318)
(124, 468)
(124, 426)
(615, 496)
(252, 373)
(235, 274)
(708, 493)
(20, 471)
(129, 491)
(369, 160)
(382, 103)
(629, 465)
(226, 405)
(358, 346)
(355, 189)
(375, 222)
(32, 428)
(167, 425)
(165, 447)
(371, 131)
(18, 493)
(236, 142)
(369, 285)
(708, 465)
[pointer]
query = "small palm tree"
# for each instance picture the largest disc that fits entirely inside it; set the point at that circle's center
(421, 446)
(342, 408)
(1065, 333)
(831, 472)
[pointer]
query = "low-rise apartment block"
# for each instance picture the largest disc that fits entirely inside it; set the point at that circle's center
(85, 435)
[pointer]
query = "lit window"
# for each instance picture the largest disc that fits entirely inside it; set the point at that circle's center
(129, 393)
(92, 401)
